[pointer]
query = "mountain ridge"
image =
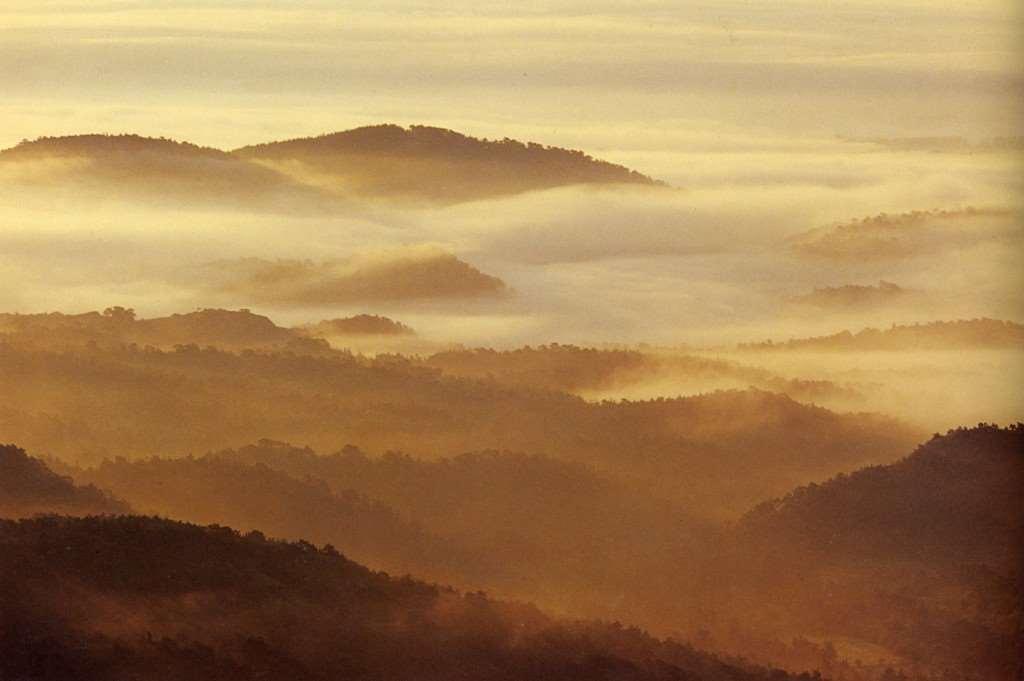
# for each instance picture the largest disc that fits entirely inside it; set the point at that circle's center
(161, 599)
(418, 164)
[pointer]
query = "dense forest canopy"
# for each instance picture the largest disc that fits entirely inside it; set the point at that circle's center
(824, 551)
(922, 557)
(28, 486)
(167, 600)
(590, 341)
(956, 499)
(690, 448)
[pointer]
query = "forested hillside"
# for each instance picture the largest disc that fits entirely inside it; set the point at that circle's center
(160, 600)
(132, 401)
(28, 487)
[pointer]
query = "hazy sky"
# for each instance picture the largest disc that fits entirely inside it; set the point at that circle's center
(618, 77)
(762, 112)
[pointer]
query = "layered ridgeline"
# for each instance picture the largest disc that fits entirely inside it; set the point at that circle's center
(136, 597)
(228, 329)
(921, 560)
(530, 527)
(135, 401)
(117, 326)
(255, 497)
(28, 486)
(913, 566)
(940, 335)
(422, 164)
(593, 371)
(555, 366)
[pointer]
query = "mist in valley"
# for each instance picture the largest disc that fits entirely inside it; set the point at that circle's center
(577, 341)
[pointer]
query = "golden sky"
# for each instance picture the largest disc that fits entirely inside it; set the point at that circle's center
(617, 76)
(773, 118)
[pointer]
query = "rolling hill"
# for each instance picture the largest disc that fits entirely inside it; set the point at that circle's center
(922, 558)
(417, 164)
(357, 325)
(133, 401)
(136, 597)
(117, 326)
(433, 164)
(555, 529)
(28, 487)
(249, 497)
(955, 499)
(153, 170)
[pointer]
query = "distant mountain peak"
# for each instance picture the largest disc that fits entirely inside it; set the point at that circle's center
(99, 144)
(432, 163)
(418, 163)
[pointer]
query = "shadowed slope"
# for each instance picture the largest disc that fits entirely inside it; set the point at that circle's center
(28, 487)
(249, 497)
(956, 499)
(162, 600)
(922, 557)
(561, 528)
(695, 450)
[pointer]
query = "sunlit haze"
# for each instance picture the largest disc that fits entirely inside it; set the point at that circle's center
(479, 340)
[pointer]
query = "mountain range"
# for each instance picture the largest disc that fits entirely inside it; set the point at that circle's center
(418, 164)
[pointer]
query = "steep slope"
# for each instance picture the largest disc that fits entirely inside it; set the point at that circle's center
(922, 558)
(955, 500)
(432, 164)
(161, 600)
(28, 487)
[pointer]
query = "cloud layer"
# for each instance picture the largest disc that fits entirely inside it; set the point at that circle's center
(419, 274)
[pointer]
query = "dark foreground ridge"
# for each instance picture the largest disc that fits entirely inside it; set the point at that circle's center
(28, 486)
(137, 597)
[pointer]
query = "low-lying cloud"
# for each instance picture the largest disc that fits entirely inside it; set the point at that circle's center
(856, 296)
(908, 235)
(412, 274)
(708, 262)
